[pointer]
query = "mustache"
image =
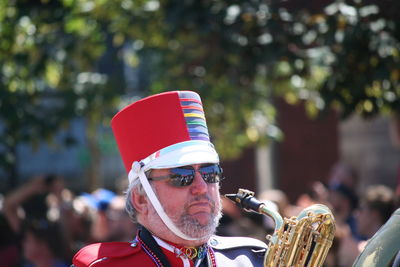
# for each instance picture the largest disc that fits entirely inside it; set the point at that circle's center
(201, 198)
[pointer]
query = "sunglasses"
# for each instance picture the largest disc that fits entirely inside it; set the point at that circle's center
(184, 176)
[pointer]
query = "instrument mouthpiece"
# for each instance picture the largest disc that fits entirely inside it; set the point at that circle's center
(245, 199)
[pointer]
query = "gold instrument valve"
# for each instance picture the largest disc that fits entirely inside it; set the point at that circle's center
(298, 241)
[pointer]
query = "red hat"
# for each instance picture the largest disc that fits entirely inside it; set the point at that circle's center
(164, 131)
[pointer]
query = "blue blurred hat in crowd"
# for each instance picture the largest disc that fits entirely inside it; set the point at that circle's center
(99, 199)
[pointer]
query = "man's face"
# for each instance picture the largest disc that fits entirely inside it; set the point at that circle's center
(195, 209)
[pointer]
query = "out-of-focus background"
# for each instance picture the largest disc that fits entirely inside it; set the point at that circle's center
(302, 100)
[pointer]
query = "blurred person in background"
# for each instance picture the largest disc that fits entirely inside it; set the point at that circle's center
(44, 244)
(34, 220)
(121, 227)
(29, 201)
(343, 174)
(342, 196)
(109, 220)
(97, 204)
(78, 223)
(281, 200)
(343, 199)
(317, 193)
(376, 206)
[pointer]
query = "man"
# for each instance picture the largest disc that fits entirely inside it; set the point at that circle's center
(173, 192)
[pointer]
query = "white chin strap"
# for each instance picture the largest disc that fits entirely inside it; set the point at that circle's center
(137, 171)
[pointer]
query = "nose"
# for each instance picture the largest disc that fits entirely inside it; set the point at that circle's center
(199, 186)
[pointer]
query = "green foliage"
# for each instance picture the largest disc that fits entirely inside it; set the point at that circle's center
(47, 71)
(237, 54)
(364, 43)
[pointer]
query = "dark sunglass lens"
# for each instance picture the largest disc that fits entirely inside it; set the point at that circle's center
(181, 180)
(177, 172)
(184, 176)
(181, 177)
(211, 174)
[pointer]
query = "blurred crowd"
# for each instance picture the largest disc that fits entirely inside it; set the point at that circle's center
(43, 223)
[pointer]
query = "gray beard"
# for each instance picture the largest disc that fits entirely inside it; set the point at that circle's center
(191, 227)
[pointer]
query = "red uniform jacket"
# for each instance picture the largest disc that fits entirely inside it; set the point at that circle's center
(228, 251)
(120, 254)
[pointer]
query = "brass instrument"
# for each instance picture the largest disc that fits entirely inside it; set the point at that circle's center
(382, 248)
(297, 241)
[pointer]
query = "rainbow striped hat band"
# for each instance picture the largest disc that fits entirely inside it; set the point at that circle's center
(164, 131)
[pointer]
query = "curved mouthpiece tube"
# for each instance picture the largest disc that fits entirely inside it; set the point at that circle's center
(245, 199)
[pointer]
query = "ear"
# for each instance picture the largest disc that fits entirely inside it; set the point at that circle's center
(140, 203)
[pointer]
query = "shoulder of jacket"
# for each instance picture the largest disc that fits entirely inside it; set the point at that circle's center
(97, 252)
(228, 242)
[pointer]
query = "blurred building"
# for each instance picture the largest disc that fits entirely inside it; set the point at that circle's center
(310, 149)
